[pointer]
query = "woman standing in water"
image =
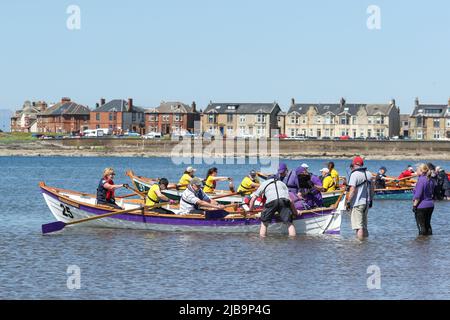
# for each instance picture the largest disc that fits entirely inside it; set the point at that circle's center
(423, 204)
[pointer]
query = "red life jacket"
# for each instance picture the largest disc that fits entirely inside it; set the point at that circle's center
(109, 193)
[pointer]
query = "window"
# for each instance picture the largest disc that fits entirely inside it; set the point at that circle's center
(151, 118)
(318, 119)
(370, 120)
(230, 130)
(369, 133)
(433, 111)
(295, 120)
(329, 119)
(304, 120)
(354, 133)
(97, 126)
(229, 118)
(292, 132)
(436, 134)
(319, 133)
(110, 116)
(344, 120)
(419, 122)
(242, 118)
(177, 118)
(405, 123)
(448, 123)
(133, 116)
(260, 118)
(436, 123)
(354, 121)
(97, 116)
(165, 118)
(212, 118)
(419, 134)
(241, 130)
(380, 133)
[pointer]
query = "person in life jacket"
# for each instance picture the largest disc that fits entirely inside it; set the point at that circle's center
(380, 178)
(409, 172)
(307, 195)
(249, 184)
(277, 200)
(212, 179)
(106, 189)
(360, 197)
(333, 172)
(186, 178)
(193, 198)
(443, 185)
(154, 196)
(328, 183)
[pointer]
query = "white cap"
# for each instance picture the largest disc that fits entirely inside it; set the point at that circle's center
(190, 169)
(304, 165)
(324, 170)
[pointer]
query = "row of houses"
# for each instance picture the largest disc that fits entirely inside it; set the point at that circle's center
(427, 121)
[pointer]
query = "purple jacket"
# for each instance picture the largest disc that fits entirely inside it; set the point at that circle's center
(291, 180)
(424, 192)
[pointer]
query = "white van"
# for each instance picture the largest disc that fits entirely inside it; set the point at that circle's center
(94, 133)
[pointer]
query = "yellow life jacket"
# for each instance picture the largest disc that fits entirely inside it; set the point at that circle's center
(246, 185)
(152, 198)
(329, 184)
(184, 181)
(210, 185)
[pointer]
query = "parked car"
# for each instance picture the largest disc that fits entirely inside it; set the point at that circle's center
(152, 135)
(325, 138)
(208, 136)
(281, 136)
(132, 134)
(345, 137)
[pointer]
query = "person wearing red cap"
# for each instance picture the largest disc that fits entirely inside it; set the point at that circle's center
(360, 197)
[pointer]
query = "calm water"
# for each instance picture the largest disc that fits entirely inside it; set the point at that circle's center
(127, 264)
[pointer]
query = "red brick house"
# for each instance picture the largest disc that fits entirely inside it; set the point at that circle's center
(64, 117)
(171, 118)
(118, 116)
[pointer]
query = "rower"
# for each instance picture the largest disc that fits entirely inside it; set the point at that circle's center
(186, 178)
(193, 198)
(211, 180)
(307, 196)
(380, 178)
(409, 172)
(154, 196)
(249, 183)
(328, 183)
(106, 189)
(333, 172)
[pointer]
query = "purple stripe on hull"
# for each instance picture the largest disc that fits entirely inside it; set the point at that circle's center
(184, 221)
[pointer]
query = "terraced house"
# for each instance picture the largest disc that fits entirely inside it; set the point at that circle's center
(118, 116)
(64, 117)
(342, 119)
(430, 121)
(172, 118)
(241, 119)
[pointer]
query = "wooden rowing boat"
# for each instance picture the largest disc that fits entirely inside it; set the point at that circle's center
(143, 184)
(68, 206)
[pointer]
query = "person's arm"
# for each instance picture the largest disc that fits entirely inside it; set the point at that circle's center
(221, 178)
(113, 186)
(255, 195)
(418, 193)
(252, 202)
(202, 203)
(161, 196)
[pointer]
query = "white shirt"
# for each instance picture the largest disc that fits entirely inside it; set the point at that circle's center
(271, 190)
(189, 199)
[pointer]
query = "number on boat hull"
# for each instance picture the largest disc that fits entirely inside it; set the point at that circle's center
(66, 211)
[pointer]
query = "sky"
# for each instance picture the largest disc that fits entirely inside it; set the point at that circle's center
(225, 51)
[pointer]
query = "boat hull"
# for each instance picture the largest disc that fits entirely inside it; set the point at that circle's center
(326, 221)
(393, 194)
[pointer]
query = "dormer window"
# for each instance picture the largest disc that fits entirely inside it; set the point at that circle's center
(231, 107)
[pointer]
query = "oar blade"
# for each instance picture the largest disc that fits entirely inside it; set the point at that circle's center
(53, 227)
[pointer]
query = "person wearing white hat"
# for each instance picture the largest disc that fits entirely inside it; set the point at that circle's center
(328, 183)
(304, 165)
(186, 178)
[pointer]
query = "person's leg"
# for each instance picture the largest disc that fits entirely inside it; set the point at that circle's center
(428, 228)
(420, 220)
(263, 229)
(366, 222)
(357, 220)
(286, 215)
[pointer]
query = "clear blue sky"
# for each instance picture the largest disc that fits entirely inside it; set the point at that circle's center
(233, 50)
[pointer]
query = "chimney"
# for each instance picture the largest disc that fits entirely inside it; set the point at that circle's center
(102, 101)
(292, 102)
(342, 102)
(96, 105)
(416, 102)
(65, 99)
(130, 105)
(194, 107)
(448, 103)
(392, 102)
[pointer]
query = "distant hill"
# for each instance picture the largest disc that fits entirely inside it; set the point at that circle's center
(5, 120)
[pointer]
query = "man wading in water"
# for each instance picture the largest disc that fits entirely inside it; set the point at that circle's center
(277, 200)
(360, 197)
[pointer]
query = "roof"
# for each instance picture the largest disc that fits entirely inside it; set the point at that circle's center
(241, 108)
(117, 105)
(66, 107)
(171, 107)
(431, 110)
(336, 108)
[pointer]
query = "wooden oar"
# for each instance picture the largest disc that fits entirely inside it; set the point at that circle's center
(59, 225)
(225, 195)
(142, 195)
